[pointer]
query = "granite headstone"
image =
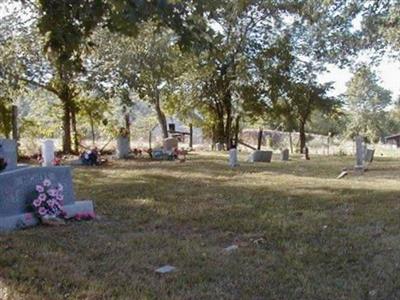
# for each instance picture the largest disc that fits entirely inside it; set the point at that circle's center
(369, 155)
(17, 191)
(261, 156)
(8, 151)
(285, 154)
(170, 143)
(359, 154)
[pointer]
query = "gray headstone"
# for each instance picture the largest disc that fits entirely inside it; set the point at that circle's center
(261, 156)
(369, 155)
(170, 143)
(285, 154)
(18, 190)
(359, 153)
(123, 147)
(8, 151)
(219, 146)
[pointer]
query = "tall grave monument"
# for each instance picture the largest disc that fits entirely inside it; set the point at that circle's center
(18, 190)
(359, 167)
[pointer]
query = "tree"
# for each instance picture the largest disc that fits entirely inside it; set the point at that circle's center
(149, 65)
(367, 102)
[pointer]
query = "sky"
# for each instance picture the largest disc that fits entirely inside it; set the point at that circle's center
(388, 70)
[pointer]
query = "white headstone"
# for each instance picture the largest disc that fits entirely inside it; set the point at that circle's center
(233, 158)
(48, 153)
(123, 147)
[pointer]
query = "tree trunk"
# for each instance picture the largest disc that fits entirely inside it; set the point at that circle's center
(228, 128)
(190, 136)
(162, 120)
(259, 140)
(291, 142)
(74, 128)
(237, 129)
(91, 121)
(66, 126)
(302, 133)
(220, 130)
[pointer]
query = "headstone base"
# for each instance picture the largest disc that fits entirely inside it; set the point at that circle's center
(359, 170)
(29, 219)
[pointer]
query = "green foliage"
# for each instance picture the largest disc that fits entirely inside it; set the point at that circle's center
(367, 102)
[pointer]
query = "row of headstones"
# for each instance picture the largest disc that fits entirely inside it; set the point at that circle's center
(266, 156)
(257, 156)
(9, 154)
(124, 148)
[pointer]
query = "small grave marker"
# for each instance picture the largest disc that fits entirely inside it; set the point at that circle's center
(165, 269)
(231, 248)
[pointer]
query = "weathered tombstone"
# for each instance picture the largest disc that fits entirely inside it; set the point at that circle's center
(219, 146)
(233, 162)
(170, 143)
(48, 153)
(261, 156)
(18, 190)
(359, 154)
(123, 147)
(8, 151)
(369, 155)
(285, 154)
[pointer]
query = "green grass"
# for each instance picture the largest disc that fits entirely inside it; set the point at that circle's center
(302, 234)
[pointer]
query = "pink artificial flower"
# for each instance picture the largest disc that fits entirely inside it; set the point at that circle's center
(46, 182)
(43, 211)
(60, 187)
(78, 217)
(37, 202)
(39, 189)
(42, 197)
(50, 203)
(52, 192)
(60, 198)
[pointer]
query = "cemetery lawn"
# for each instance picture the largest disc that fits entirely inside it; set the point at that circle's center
(301, 233)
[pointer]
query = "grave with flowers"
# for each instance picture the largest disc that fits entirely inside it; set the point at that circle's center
(29, 195)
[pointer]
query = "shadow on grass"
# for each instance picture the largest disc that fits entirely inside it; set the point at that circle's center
(319, 241)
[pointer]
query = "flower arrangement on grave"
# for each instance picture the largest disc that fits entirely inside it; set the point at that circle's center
(49, 202)
(85, 216)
